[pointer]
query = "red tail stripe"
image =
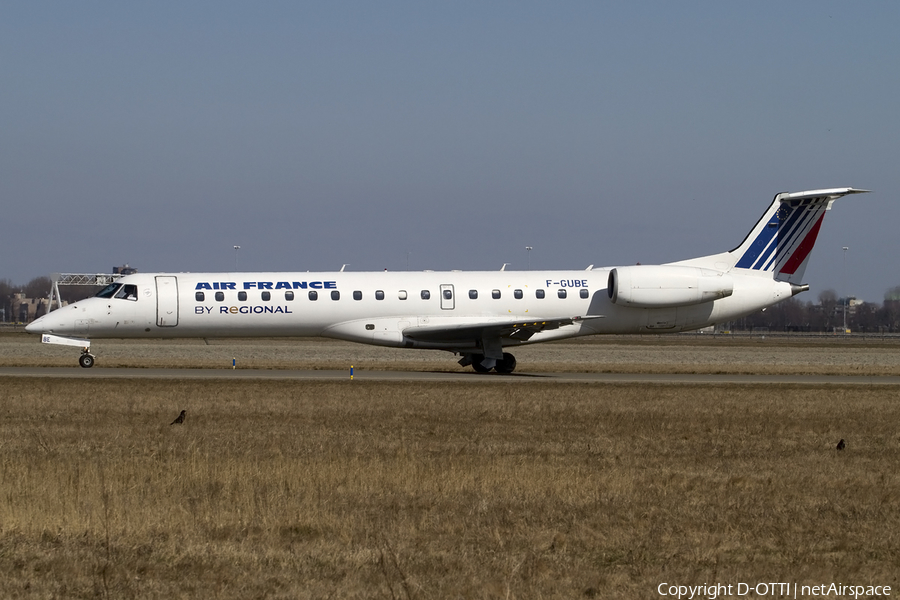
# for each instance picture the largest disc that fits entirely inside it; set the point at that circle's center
(803, 250)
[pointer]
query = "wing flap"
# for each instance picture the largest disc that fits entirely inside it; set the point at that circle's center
(519, 329)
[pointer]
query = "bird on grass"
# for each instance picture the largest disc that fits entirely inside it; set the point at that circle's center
(180, 419)
(841, 445)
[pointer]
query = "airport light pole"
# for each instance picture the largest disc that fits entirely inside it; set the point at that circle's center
(845, 288)
(236, 248)
(528, 250)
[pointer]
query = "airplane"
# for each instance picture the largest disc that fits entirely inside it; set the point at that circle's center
(477, 315)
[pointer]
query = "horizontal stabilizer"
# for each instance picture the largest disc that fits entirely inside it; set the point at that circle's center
(830, 194)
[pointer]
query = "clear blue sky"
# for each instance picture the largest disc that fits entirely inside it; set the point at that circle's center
(448, 135)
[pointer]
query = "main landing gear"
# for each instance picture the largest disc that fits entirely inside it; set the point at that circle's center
(482, 364)
(86, 359)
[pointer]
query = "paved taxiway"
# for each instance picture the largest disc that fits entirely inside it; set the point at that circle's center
(364, 375)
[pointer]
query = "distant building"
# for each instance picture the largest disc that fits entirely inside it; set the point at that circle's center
(853, 303)
(124, 270)
(25, 309)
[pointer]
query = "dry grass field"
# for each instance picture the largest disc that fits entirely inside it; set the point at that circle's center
(618, 354)
(296, 489)
(508, 488)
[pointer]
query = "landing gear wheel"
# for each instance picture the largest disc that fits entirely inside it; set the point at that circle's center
(86, 360)
(507, 364)
(476, 364)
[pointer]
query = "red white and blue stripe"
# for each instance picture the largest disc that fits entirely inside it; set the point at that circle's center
(785, 240)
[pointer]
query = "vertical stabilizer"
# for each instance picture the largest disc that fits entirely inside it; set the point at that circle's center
(782, 239)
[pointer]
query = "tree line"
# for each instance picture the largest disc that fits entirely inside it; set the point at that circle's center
(825, 315)
(828, 314)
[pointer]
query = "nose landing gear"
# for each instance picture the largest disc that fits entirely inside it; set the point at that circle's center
(86, 360)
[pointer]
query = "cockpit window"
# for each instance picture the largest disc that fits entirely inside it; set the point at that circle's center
(108, 291)
(128, 292)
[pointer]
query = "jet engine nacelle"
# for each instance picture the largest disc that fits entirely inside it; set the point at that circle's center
(662, 286)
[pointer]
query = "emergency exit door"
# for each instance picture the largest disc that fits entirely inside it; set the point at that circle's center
(447, 300)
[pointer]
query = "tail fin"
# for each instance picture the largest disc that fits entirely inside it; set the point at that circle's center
(782, 239)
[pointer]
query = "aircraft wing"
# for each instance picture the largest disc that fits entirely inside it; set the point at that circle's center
(513, 329)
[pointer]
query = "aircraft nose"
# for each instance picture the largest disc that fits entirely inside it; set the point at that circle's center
(37, 326)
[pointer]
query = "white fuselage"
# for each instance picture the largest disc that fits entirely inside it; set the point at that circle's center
(473, 313)
(378, 307)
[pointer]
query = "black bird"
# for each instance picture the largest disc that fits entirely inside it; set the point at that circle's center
(841, 445)
(180, 419)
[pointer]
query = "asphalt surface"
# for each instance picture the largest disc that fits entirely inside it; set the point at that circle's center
(472, 377)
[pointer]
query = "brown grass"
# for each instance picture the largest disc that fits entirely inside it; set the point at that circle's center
(872, 356)
(296, 489)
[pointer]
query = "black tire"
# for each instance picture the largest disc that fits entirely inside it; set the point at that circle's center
(86, 361)
(476, 364)
(507, 364)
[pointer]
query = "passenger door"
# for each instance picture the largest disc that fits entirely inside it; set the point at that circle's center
(166, 301)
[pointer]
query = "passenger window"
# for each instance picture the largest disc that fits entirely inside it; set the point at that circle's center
(426, 295)
(379, 294)
(220, 296)
(335, 295)
(266, 296)
(495, 294)
(199, 296)
(357, 295)
(402, 294)
(538, 293)
(583, 293)
(448, 295)
(242, 296)
(289, 294)
(313, 295)
(561, 293)
(517, 294)
(473, 294)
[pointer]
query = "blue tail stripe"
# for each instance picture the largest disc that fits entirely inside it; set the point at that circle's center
(773, 246)
(766, 242)
(795, 236)
(792, 229)
(764, 255)
(811, 210)
(758, 245)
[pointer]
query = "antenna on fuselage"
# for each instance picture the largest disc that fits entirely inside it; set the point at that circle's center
(503, 268)
(344, 266)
